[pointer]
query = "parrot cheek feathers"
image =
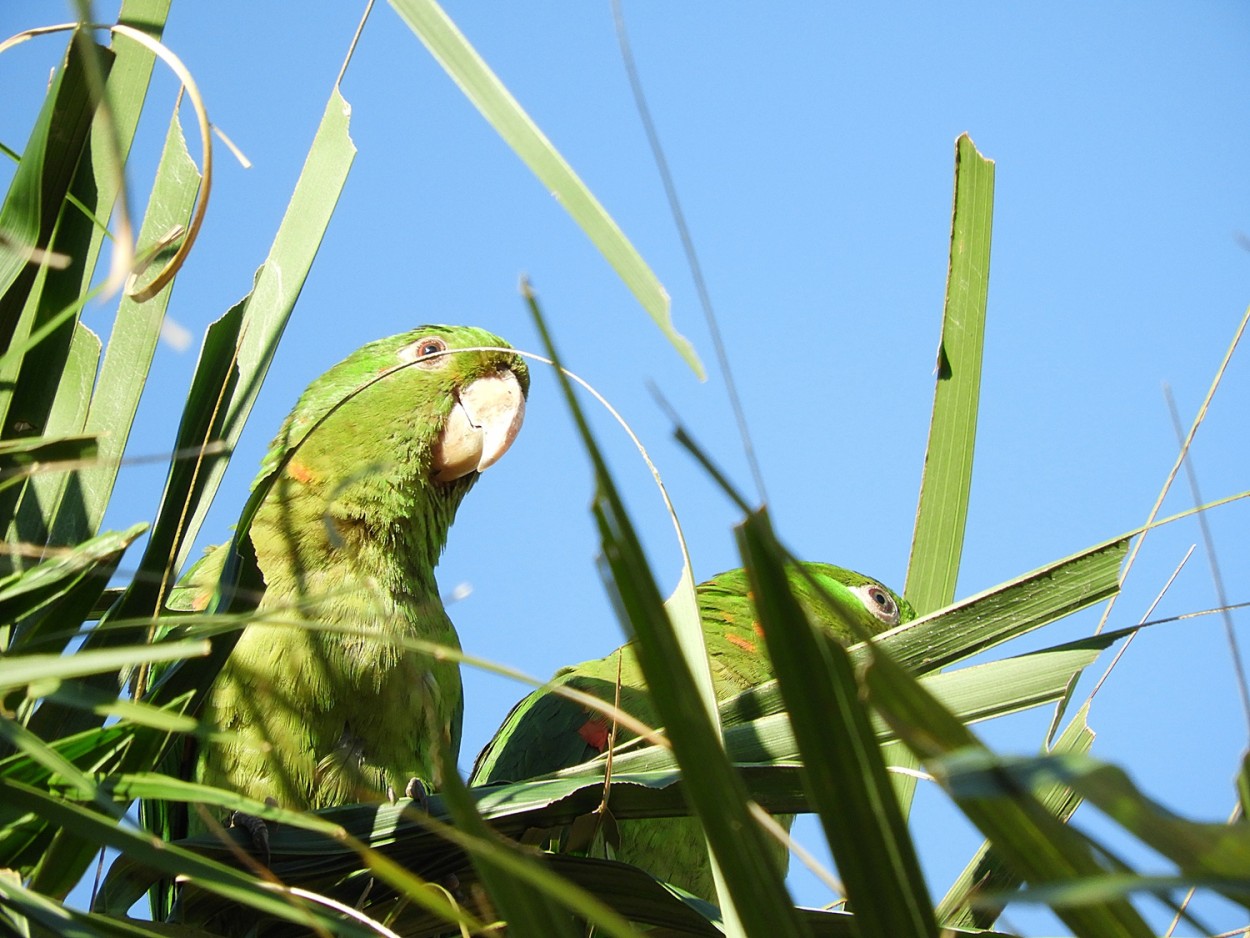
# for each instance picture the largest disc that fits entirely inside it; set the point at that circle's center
(482, 424)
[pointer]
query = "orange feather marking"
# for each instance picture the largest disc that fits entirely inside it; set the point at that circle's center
(743, 643)
(299, 472)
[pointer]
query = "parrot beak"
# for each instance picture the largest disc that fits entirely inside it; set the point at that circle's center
(481, 426)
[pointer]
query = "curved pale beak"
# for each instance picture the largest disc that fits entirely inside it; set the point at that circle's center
(482, 425)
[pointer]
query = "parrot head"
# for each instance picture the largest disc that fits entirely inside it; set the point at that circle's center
(872, 605)
(398, 432)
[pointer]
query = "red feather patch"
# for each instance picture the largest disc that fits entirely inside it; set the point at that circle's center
(595, 732)
(742, 643)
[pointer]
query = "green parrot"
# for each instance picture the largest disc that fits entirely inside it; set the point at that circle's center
(317, 704)
(546, 732)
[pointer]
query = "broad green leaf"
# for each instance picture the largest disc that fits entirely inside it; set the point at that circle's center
(487, 93)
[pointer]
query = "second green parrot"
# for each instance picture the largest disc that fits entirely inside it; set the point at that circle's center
(546, 732)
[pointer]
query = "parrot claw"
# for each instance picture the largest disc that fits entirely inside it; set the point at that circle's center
(420, 795)
(256, 829)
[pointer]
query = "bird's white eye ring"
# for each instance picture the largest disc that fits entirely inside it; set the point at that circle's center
(879, 602)
(425, 352)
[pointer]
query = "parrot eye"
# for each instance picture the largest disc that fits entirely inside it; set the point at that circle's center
(879, 602)
(420, 350)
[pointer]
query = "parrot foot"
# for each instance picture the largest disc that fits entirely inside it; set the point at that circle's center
(256, 829)
(417, 791)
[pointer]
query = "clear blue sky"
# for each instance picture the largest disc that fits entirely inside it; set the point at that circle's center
(812, 147)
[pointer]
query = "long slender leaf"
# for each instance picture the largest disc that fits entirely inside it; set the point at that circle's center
(279, 281)
(843, 770)
(526, 894)
(50, 313)
(487, 93)
(45, 489)
(738, 846)
(23, 670)
(982, 621)
(236, 355)
(132, 342)
(98, 181)
(29, 451)
(112, 134)
(947, 480)
(33, 204)
(238, 886)
(978, 693)
(1204, 851)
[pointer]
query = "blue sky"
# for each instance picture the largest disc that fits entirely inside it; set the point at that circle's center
(812, 148)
